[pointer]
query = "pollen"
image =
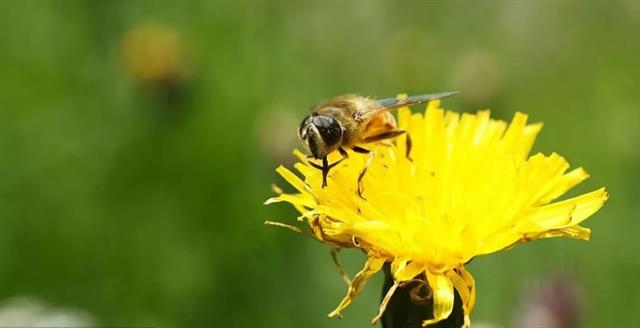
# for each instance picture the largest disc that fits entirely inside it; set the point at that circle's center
(469, 187)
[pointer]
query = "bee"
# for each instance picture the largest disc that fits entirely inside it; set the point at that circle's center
(349, 121)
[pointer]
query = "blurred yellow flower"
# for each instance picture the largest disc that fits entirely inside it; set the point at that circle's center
(154, 53)
(468, 189)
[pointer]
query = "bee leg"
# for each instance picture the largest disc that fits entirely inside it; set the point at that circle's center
(326, 167)
(362, 173)
(319, 167)
(384, 136)
(408, 145)
(344, 154)
(360, 150)
(325, 171)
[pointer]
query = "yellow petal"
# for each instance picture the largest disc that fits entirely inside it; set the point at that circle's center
(529, 135)
(564, 184)
(464, 283)
(291, 178)
(405, 270)
(294, 199)
(442, 290)
(576, 232)
(385, 302)
(565, 213)
(372, 266)
(514, 131)
(299, 155)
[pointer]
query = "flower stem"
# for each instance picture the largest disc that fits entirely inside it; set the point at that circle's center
(403, 312)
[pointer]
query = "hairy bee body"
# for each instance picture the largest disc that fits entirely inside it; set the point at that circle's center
(358, 117)
(350, 120)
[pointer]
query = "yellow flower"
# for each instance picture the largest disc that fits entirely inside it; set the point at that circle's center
(154, 53)
(469, 188)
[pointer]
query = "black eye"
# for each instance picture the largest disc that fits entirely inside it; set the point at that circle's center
(302, 129)
(329, 128)
(313, 144)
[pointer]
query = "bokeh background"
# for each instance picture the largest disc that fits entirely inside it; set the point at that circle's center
(139, 140)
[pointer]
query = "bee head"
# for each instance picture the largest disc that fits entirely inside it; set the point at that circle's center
(320, 134)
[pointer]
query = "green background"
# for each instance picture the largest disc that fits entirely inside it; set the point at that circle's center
(141, 203)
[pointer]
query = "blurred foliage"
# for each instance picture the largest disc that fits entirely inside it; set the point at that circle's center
(138, 197)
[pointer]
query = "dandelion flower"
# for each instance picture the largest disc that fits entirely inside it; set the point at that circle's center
(469, 188)
(154, 53)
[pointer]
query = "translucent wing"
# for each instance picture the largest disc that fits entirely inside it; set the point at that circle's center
(392, 103)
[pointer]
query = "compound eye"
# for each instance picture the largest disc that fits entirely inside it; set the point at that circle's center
(315, 145)
(302, 129)
(329, 129)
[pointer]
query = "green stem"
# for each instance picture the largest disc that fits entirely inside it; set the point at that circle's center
(402, 312)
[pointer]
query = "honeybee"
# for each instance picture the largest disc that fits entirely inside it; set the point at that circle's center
(349, 121)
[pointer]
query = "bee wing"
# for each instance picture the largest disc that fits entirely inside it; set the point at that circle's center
(393, 103)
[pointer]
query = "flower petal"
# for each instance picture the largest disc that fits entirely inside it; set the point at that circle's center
(405, 269)
(554, 220)
(564, 184)
(565, 213)
(373, 265)
(294, 199)
(464, 283)
(291, 178)
(576, 232)
(443, 297)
